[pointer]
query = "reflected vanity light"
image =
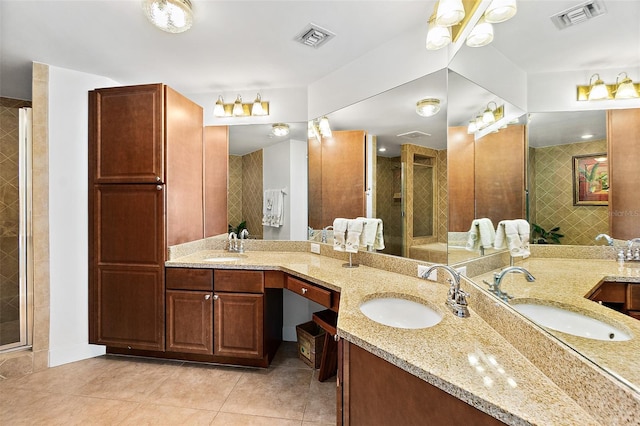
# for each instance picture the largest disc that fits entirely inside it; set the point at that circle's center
(481, 34)
(172, 16)
(428, 107)
(256, 108)
(280, 129)
(598, 90)
(449, 12)
(500, 11)
(325, 128)
(319, 129)
(437, 36)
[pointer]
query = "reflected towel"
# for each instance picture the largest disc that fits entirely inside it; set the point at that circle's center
(481, 232)
(339, 234)
(273, 208)
(515, 234)
(372, 236)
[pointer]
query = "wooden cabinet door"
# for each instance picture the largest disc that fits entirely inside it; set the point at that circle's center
(126, 266)
(238, 325)
(190, 321)
(126, 134)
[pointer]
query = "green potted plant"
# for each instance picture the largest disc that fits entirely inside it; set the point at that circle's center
(542, 236)
(242, 225)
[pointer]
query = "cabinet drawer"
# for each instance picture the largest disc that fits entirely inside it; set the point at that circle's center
(238, 281)
(189, 279)
(610, 292)
(310, 291)
(633, 297)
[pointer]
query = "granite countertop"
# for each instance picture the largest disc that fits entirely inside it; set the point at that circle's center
(565, 283)
(465, 357)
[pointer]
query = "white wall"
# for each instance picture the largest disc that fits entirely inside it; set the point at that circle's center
(284, 166)
(68, 217)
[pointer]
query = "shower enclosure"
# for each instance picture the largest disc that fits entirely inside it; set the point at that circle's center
(15, 212)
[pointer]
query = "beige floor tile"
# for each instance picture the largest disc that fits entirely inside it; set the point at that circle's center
(231, 419)
(152, 414)
(276, 392)
(321, 402)
(195, 386)
(287, 356)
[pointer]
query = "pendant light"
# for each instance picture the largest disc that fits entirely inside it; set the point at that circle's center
(625, 88)
(481, 34)
(598, 89)
(500, 11)
(450, 12)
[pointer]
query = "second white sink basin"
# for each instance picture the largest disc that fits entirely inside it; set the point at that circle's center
(570, 322)
(400, 313)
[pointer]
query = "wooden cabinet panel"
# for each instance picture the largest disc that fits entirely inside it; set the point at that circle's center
(623, 145)
(126, 307)
(238, 281)
(189, 279)
(610, 292)
(239, 325)
(189, 321)
(128, 224)
(216, 167)
(377, 392)
(633, 297)
(460, 177)
(500, 175)
(310, 291)
(127, 135)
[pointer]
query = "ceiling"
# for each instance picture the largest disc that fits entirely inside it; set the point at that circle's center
(243, 45)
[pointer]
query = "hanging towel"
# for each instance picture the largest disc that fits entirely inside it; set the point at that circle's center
(354, 230)
(273, 208)
(509, 233)
(481, 232)
(372, 236)
(339, 234)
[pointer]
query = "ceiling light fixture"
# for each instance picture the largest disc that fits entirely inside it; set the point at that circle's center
(172, 16)
(500, 11)
(237, 109)
(449, 12)
(280, 129)
(427, 107)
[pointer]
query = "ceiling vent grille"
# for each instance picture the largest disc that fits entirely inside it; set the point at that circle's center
(578, 14)
(314, 36)
(416, 134)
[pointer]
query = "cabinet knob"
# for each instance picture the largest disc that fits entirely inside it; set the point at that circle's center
(207, 296)
(159, 187)
(157, 178)
(304, 290)
(215, 297)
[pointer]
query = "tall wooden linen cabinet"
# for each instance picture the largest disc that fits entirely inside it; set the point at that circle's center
(145, 194)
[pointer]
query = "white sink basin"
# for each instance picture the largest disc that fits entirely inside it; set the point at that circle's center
(400, 313)
(569, 322)
(225, 258)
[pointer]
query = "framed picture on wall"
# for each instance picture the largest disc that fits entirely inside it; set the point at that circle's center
(591, 180)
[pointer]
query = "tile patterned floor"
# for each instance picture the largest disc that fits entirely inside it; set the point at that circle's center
(112, 390)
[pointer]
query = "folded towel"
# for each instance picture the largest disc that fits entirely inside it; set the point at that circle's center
(339, 234)
(481, 232)
(515, 233)
(273, 208)
(372, 236)
(354, 230)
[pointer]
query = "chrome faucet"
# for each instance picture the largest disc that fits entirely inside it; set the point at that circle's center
(497, 279)
(244, 234)
(323, 238)
(606, 237)
(233, 241)
(456, 298)
(631, 253)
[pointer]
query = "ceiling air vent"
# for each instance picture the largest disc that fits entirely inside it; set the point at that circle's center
(314, 36)
(578, 14)
(414, 135)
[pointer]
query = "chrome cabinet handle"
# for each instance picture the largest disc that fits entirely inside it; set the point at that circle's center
(304, 290)
(207, 296)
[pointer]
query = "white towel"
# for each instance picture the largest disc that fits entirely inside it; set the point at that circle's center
(273, 208)
(339, 234)
(354, 230)
(481, 232)
(372, 235)
(515, 233)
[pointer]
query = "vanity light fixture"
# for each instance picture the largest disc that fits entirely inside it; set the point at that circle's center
(437, 35)
(598, 90)
(488, 116)
(500, 11)
(238, 109)
(172, 16)
(449, 12)
(481, 34)
(280, 129)
(325, 128)
(319, 129)
(427, 107)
